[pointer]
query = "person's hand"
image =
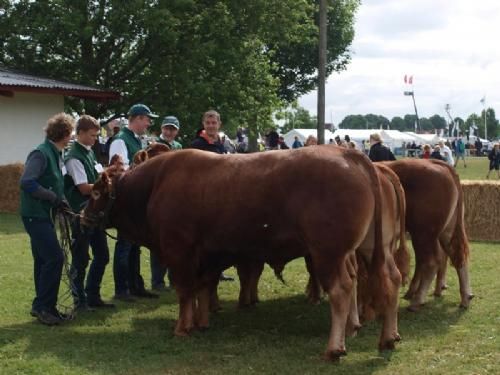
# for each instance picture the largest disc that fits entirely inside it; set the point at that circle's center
(61, 204)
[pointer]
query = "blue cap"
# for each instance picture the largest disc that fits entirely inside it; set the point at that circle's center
(141, 110)
(171, 121)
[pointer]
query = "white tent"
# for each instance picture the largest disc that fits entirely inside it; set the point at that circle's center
(431, 139)
(302, 135)
(395, 138)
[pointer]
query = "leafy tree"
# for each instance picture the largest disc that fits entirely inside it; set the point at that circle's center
(438, 122)
(397, 123)
(410, 121)
(181, 57)
(296, 117)
(426, 124)
(376, 121)
(353, 122)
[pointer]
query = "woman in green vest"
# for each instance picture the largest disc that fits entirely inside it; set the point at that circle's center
(42, 191)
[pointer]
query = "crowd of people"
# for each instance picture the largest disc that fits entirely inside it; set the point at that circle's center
(54, 182)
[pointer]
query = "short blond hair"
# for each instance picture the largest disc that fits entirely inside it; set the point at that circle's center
(59, 127)
(376, 137)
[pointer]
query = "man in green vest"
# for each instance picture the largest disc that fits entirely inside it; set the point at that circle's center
(169, 130)
(42, 191)
(83, 171)
(126, 262)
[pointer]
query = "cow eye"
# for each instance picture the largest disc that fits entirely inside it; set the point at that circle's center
(95, 195)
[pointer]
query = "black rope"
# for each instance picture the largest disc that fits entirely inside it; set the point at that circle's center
(66, 301)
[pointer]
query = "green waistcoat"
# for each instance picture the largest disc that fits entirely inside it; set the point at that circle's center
(51, 179)
(173, 146)
(133, 143)
(87, 158)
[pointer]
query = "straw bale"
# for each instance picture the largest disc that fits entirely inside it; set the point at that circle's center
(10, 175)
(482, 210)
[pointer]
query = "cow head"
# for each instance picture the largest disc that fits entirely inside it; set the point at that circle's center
(101, 200)
(151, 151)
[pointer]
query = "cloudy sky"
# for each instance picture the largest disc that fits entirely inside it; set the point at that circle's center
(450, 47)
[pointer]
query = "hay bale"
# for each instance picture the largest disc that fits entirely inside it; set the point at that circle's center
(10, 175)
(482, 210)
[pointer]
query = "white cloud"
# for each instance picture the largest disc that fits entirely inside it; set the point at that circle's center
(450, 47)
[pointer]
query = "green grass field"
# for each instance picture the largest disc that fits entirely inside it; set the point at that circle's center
(282, 335)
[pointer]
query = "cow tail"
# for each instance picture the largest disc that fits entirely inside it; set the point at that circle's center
(402, 256)
(459, 241)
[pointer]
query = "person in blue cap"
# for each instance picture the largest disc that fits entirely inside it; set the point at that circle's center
(169, 130)
(126, 262)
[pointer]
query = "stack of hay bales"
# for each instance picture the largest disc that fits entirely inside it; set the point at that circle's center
(9, 187)
(482, 210)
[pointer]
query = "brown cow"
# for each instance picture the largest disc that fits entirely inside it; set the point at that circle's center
(190, 206)
(434, 219)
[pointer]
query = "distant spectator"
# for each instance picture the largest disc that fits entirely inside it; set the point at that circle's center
(426, 152)
(297, 143)
(311, 141)
(378, 151)
(272, 139)
(436, 154)
(494, 157)
(479, 145)
(446, 153)
(282, 144)
(460, 151)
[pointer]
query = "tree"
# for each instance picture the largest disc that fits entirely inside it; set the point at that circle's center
(397, 123)
(353, 122)
(296, 117)
(438, 122)
(426, 124)
(181, 57)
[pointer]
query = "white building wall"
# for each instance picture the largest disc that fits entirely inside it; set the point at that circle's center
(22, 119)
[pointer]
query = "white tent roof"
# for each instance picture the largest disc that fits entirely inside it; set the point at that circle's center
(358, 135)
(431, 139)
(303, 134)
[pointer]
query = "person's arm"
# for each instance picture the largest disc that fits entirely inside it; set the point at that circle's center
(33, 169)
(76, 170)
(118, 147)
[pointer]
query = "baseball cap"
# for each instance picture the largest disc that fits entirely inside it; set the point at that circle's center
(141, 110)
(172, 121)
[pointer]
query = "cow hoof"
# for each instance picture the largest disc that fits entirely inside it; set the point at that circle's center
(352, 330)
(387, 345)
(444, 287)
(413, 308)
(408, 296)
(334, 355)
(181, 333)
(397, 337)
(438, 293)
(471, 296)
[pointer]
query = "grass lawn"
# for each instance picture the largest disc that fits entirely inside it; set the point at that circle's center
(282, 335)
(476, 169)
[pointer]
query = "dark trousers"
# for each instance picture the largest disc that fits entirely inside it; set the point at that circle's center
(158, 272)
(82, 238)
(48, 261)
(127, 267)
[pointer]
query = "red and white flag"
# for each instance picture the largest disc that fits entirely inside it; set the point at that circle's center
(410, 80)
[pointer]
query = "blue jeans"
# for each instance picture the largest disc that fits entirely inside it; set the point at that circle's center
(158, 272)
(48, 260)
(82, 238)
(127, 267)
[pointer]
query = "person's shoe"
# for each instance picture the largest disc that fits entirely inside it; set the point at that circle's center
(47, 318)
(125, 297)
(99, 303)
(83, 307)
(223, 277)
(144, 294)
(161, 288)
(61, 315)
(33, 313)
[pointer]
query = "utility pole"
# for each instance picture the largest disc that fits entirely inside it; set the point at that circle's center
(322, 70)
(411, 93)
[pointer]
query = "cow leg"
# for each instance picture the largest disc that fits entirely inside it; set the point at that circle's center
(389, 287)
(203, 308)
(428, 269)
(313, 288)
(339, 291)
(257, 269)
(465, 289)
(353, 324)
(214, 304)
(441, 275)
(185, 322)
(249, 274)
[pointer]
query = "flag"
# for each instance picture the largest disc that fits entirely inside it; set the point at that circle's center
(415, 126)
(410, 80)
(455, 126)
(406, 79)
(483, 100)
